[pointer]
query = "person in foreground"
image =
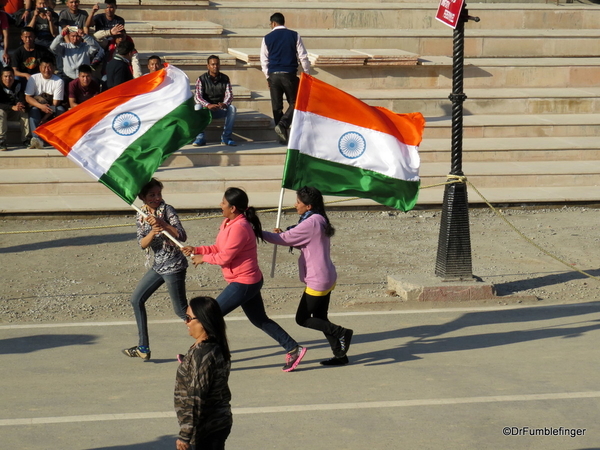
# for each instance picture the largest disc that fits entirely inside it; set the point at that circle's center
(202, 395)
(312, 237)
(168, 266)
(236, 252)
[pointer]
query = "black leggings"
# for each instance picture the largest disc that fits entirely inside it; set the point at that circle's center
(312, 313)
(213, 441)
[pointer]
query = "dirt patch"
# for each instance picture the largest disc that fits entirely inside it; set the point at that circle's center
(90, 274)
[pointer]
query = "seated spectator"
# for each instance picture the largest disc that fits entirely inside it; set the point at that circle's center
(26, 59)
(109, 40)
(84, 87)
(13, 6)
(81, 49)
(213, 91)
(20, 10)
(12, 107)
(4, 58)
(118, 69)
(154, 63)
(73, 16)
(45, 23)
(44, 93)
(107, 20)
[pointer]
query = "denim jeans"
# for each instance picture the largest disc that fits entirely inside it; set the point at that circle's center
(36, 115)
(280, 84)
(249, 298)
(229, 115)
(146, 287)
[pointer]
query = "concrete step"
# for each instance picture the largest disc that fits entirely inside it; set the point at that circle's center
(435, 102)
(107, 202)
(431, 72)
(264, 178)
(153, 36)
(342, 14)
(435, 42)
(516, 125)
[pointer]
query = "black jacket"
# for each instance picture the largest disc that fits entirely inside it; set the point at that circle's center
(118, 71)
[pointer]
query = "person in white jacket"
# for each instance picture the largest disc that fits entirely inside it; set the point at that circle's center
(81, 49)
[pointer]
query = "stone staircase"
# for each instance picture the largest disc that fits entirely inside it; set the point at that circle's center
(531, 121)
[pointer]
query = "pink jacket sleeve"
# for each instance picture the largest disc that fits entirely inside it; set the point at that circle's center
(227, 249)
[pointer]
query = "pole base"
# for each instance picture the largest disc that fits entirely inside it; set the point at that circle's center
(454, 245)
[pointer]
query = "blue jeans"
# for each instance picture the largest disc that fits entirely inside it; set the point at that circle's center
(146, 287)
(36, 115)
(248, 297)
(229, 115)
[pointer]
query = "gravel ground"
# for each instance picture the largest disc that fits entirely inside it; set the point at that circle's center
(79, 275)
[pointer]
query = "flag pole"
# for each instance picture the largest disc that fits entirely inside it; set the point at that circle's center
(166, 233)
(277, 223)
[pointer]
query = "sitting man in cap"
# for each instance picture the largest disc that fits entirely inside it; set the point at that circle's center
(213, 92)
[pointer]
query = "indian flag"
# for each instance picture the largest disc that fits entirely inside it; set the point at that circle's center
(345, 147)
(123, 135)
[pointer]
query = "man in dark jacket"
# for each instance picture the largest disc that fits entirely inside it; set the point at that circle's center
(213, 92)
(12, 107)
(279, 54)
(119, 70)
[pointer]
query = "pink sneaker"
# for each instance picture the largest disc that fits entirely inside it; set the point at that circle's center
(293, 358)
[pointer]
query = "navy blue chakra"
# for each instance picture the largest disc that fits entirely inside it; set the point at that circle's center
(126, 124)
(352, 145)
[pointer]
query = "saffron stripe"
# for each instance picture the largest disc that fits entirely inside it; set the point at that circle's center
(320, 98)
(64, 131)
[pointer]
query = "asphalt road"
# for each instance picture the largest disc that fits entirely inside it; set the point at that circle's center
(421, 379)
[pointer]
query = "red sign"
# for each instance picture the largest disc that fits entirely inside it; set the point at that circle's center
(449, 11)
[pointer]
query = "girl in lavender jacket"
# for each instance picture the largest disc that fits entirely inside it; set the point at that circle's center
(312, 237)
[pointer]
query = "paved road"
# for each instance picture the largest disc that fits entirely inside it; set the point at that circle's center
(435, 379)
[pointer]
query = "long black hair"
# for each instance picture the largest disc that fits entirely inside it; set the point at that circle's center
(313, 197)
(208, 313)
(238, 198)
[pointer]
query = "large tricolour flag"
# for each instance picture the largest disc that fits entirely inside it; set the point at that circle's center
(345, 147)
(123, 135)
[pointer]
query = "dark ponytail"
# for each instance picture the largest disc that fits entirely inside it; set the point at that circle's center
(313, 197)
(238, 198)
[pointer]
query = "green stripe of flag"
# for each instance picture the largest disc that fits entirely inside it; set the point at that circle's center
(348, 181)
(136, 166)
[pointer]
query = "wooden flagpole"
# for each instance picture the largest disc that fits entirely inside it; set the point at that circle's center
(278, 222)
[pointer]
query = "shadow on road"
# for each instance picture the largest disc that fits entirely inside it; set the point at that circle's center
(429, 338)
(79, 241)
(30, 344)
(540, 282)
(158, 444)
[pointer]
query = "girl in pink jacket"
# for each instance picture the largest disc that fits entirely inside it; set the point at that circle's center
(312, 236)
(236, 252)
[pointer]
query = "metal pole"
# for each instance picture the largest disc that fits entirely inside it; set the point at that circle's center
(454, 244)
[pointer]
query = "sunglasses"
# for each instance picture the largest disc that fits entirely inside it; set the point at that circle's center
(188, 319)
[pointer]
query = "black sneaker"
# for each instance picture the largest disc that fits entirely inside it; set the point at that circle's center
(335, 361)
(282, 133)
(344, 343)
(135, 352)
(293, 358)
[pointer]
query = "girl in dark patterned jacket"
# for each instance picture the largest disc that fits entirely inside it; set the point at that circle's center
(202, 396)
(167, 263)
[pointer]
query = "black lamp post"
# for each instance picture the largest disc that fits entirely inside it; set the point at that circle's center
(454, 244)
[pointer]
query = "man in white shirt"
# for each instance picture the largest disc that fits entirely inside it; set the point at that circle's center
(44, 93)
